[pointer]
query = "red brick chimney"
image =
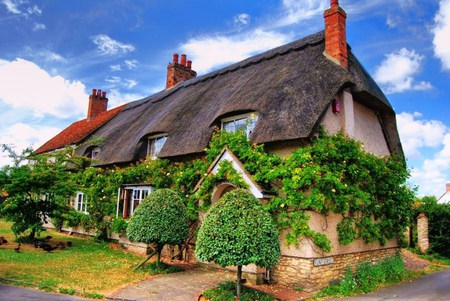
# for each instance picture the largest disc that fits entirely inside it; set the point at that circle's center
(447, 187)
(178, 72)
(335, 37)
(98, 103)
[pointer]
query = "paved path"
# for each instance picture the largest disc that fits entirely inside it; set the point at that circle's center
(432, 287)
(182, 286)
(16, 293)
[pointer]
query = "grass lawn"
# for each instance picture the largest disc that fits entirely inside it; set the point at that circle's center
(86, 268)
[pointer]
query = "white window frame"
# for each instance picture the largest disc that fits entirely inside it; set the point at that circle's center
(80, 206)
(248, 129)
(138, 193)
(153, 139)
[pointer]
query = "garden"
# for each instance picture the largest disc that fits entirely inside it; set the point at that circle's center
(331, 174)
(86, 268)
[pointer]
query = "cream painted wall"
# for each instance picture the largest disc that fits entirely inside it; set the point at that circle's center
(358, 122)
(327, 225)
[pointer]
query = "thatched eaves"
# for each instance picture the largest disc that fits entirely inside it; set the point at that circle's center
(289, 87)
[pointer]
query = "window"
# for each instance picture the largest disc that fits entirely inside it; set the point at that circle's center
(80, 203)
(132, 198)
(95, 152)
(244, 123)
(155, 144)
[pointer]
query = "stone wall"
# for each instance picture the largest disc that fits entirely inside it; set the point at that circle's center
(422, 233)
(302, 272)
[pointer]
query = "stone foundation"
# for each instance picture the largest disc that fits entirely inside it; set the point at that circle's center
(302, 273)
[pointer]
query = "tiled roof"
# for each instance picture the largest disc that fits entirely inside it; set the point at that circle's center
(78, 130)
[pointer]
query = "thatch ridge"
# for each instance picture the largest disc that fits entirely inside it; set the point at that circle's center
(289, 87)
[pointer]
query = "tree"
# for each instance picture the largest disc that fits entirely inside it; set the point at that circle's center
(38, 190)
(161, 219)
(438, 224)
(237, 231)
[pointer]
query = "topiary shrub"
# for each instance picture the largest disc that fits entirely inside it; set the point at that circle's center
(160, 220)
(238, 231)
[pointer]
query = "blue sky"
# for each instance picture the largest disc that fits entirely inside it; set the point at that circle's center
(52, 53)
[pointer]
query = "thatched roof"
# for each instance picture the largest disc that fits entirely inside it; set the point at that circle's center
(290, 87)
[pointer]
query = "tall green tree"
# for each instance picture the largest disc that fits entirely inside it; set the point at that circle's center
(238, 231)
(38, 187)
(160, 220)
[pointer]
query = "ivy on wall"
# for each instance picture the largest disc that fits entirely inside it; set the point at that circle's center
(331, 174)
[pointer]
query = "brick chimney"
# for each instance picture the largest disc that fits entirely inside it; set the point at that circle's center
(447, 187)
(98, 103)
(179, 71)
(335, 37)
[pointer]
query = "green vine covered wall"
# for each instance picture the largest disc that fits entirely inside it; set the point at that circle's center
(333, 174)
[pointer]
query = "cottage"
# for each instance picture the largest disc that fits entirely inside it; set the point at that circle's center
(445, 198)
(282, 96)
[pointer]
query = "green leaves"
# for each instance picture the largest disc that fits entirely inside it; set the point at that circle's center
(38, 190)
(160, 219)
(238, 231)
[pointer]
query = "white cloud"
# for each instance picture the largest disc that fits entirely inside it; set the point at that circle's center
(108, 46)
(113, 79)
(52, 57)
(416, 133)
(12, 6)
(131, 64)
(209, 52)
(242, 20)
(419, 138)
(116, 97)
(34, 10)
(115, 67)
(39, 26)
(396, 71)
(28, 87)
(296, 11)
(392, 21)
(117, 81)
(21, 136)
(434, 172)
(130, 83)
(441, 33)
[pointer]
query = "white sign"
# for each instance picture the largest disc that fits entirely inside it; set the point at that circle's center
(323, 261)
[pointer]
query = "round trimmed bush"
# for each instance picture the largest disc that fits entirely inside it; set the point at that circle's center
(238, 231)
(160, 219)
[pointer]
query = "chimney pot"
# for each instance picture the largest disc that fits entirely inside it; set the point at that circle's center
(178, 72)
(98, 103)
(183, 59)
(335, 34)
(175, 58)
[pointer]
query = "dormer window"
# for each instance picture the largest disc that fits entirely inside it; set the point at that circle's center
(95, 152)
(155, 144)
(245, 123)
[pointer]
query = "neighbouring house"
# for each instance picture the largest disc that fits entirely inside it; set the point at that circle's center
(445, 198)
(282, 96)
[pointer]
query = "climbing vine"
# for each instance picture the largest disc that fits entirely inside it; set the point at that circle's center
(332, 174)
